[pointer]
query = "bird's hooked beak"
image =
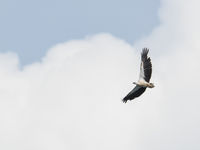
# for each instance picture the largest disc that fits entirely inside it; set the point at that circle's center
(135, 83)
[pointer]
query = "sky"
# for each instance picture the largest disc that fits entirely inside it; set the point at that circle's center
(71, 98)
(34, 26)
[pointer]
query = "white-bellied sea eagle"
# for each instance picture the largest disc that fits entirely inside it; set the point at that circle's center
(144, 78)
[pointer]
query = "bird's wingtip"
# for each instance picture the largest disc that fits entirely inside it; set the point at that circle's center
(124, 100)
(145, 50)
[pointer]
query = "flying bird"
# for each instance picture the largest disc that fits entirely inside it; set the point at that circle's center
(144, 78)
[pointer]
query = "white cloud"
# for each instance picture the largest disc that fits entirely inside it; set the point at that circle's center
(72, 98)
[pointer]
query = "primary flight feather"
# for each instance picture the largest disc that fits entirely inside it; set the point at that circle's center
(144, 78)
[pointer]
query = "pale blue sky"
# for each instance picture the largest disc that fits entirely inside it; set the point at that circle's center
(29, 28)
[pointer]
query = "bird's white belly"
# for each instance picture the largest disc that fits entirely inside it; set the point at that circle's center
(143, 83)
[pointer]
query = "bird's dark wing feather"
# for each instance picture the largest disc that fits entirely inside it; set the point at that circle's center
(137, 91)
(146, 64)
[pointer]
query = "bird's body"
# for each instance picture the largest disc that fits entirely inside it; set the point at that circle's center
(144, 78)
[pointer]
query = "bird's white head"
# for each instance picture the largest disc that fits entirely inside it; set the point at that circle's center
(151, 85)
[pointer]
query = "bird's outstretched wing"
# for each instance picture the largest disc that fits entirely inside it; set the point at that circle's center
(145, 66)
(137, 91)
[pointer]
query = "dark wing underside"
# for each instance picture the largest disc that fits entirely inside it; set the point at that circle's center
(137, 91)
(146, 63)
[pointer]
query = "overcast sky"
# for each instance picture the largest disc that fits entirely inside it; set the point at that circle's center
(68, 96)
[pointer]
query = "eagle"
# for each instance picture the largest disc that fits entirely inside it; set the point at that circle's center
(144, 77)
